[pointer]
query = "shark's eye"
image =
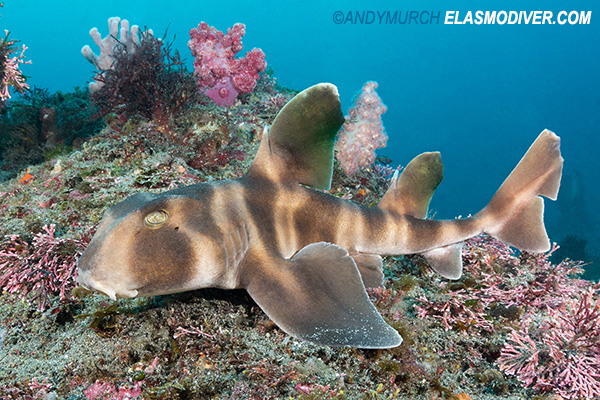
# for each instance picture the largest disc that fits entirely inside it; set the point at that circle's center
(155, 219)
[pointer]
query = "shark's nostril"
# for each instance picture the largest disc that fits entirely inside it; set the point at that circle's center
(88, 283)
(82, 276)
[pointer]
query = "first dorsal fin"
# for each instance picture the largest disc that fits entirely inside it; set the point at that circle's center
(299, 145)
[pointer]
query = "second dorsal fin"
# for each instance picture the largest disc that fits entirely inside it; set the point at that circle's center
(299, 145)
(411, 192)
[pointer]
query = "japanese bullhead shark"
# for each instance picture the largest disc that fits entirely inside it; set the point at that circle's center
(303, 255)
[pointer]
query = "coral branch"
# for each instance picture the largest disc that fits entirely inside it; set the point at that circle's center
(126, 41)
(554, 345)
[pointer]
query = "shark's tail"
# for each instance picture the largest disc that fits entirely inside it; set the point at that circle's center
(515, 214)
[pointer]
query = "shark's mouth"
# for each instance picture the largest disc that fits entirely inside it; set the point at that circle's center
(96, 286)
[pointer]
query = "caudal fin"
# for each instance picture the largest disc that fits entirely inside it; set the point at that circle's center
(515, 214)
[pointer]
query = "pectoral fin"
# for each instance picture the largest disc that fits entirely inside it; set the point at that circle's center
(318, 296)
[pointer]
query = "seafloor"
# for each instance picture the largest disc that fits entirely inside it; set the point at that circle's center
(212, 344)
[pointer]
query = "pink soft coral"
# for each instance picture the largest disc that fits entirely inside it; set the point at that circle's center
(216, 68)
(363, 131)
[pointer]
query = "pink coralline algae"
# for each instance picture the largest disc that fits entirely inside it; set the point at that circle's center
(562, 355)
(363, 131)
(217, 70)
(108, 391)
(101, 390)
(549, 318)
(530, 284)
(10, 74)
(46, 266)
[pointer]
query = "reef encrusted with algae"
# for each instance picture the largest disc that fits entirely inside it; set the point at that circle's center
(212, 344)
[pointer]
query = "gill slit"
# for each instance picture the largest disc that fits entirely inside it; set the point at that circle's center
(236, 246)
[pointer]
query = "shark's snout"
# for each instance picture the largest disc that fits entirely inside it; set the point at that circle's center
(89, 282)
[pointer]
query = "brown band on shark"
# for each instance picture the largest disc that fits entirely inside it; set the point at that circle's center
(261, 198)
(303, 255)
(202, 221)
(163, 257)
(315, 220)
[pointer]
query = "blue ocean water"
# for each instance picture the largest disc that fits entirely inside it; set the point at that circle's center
(480, 94)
